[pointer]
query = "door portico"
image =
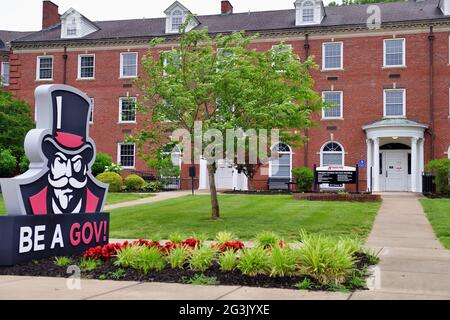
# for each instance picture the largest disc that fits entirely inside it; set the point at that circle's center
(395, 152)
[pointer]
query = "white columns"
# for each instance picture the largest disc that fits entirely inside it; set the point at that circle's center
(369, 164)
(376, 165)
(421, 163)
(414, 166)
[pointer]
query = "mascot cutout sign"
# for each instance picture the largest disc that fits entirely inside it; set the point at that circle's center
(55, 207)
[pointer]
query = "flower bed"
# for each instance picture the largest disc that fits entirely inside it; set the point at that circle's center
(352, 197)
(314, 262)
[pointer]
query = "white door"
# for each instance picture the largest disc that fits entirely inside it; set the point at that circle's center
(396, 171)
(224, 175)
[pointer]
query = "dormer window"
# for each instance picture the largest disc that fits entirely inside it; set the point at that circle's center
(308, 11)
(72, 29)
(177, 20)
(75, 25)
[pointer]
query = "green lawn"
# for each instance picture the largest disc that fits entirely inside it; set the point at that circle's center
(438, 212)
(113, 198)
(245, 216)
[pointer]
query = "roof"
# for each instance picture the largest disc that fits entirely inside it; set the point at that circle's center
(395, 122)
(7, 36)
(352, 15)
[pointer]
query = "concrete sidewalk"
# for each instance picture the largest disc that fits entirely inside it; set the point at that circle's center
(414, 264)
(158, 197)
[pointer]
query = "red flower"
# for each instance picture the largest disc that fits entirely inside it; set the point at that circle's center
(104, 252)
(191, 243)
(233, 245)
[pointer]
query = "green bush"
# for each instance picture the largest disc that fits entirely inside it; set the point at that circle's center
(282, 262)
(116, 168)
(134, 183)
(254, 262)
(149, 259)
(153, 187)
(228, 260)
(178, 257)
(8, 164)
(102, 161)
(202, 258)
(24, 164)
(304, 178)
(225, 236)
(126, 256)
(440, 168)
(113, 179)
(267, 239)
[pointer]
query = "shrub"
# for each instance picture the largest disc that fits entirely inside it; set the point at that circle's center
(224, 236)
(102, 161)
(89, 264)
(176, 237)
(254, 262)
(149, 259)
(126, 256)
(267, 239)
(440, 168)
(325, 259)
(282, 262)
(155, 186)
(306, 284)
(63, 261)
(304, 178)
(134, 183)
(113, 179)
(8, 164)
(178, 257)
(228, 261)
(202, 258)
(24, 164)
(116, 168)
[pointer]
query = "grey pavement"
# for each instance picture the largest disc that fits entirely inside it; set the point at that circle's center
(158, 197)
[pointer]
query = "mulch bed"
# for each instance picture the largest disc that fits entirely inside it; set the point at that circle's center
(352, 197)
(437, 195)
(48, 268)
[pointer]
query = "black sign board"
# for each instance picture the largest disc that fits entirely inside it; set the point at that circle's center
(336, 177)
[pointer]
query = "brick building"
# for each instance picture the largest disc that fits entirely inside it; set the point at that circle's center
(386, 70)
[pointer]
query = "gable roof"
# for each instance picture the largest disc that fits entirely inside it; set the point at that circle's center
(353, 15)
(7, 36)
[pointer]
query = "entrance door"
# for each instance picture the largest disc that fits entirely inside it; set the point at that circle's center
(396, 171)
(224, 175)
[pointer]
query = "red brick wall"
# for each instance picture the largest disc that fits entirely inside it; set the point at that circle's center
(362, 81)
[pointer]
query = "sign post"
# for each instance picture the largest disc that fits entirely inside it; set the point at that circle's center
(336, 175)
(55, 208)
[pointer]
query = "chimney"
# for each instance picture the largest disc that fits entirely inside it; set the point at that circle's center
(50, 15)
(227, 7)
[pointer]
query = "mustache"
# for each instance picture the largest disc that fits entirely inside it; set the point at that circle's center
(65, 181)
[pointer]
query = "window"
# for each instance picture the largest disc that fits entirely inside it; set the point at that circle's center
(332, 154)
(127, 107)
(4, 76)
(91, 116)
(282, 166)
(394, 103)
(72, 29)
(448, 152)
(44, 68)
(171, 58)
(86, 66)
(279, 53)
(126, 155)
(334, 109)
(308, 11)
(177, 20)
(332, 56)
(394, 52)
(128, 65)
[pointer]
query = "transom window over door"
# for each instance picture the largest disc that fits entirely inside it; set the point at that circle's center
(126, 155)
(281, 167)
(127, 110)
(44, 68)
(333, 99)
(128, 65)
(394, 103)
(86, 66)
(332, 154)
(308, 11)
(394, 52)
(332, 55)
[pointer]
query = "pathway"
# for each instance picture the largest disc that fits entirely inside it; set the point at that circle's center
(159, 197)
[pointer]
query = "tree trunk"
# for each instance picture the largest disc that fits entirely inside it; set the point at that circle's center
(212, 189)
(251, 183)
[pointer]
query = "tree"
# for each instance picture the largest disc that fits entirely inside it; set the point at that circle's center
(15, 122)
(233, 87)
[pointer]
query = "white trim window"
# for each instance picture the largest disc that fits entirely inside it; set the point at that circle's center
(91, 116)
(333, 56)
(281, 167)
(308, 11)
(394, 53)
(394, 103)
(332, 154)
(176, 20)
(448, 152)
(44, 68)
(128, 64)
(4, 75)
(127, 110)
(126, 155)
(86, 66)
(334, 101)
(72, 27)
(279, 52)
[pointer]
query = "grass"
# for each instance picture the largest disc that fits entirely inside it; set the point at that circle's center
(438, 213)
(113, 198)
(245, 216)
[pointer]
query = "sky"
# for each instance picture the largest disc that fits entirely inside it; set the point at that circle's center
(26, 15)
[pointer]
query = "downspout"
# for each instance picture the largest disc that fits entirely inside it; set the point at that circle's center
(65, 65)
(306, 46)
(431, 38)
